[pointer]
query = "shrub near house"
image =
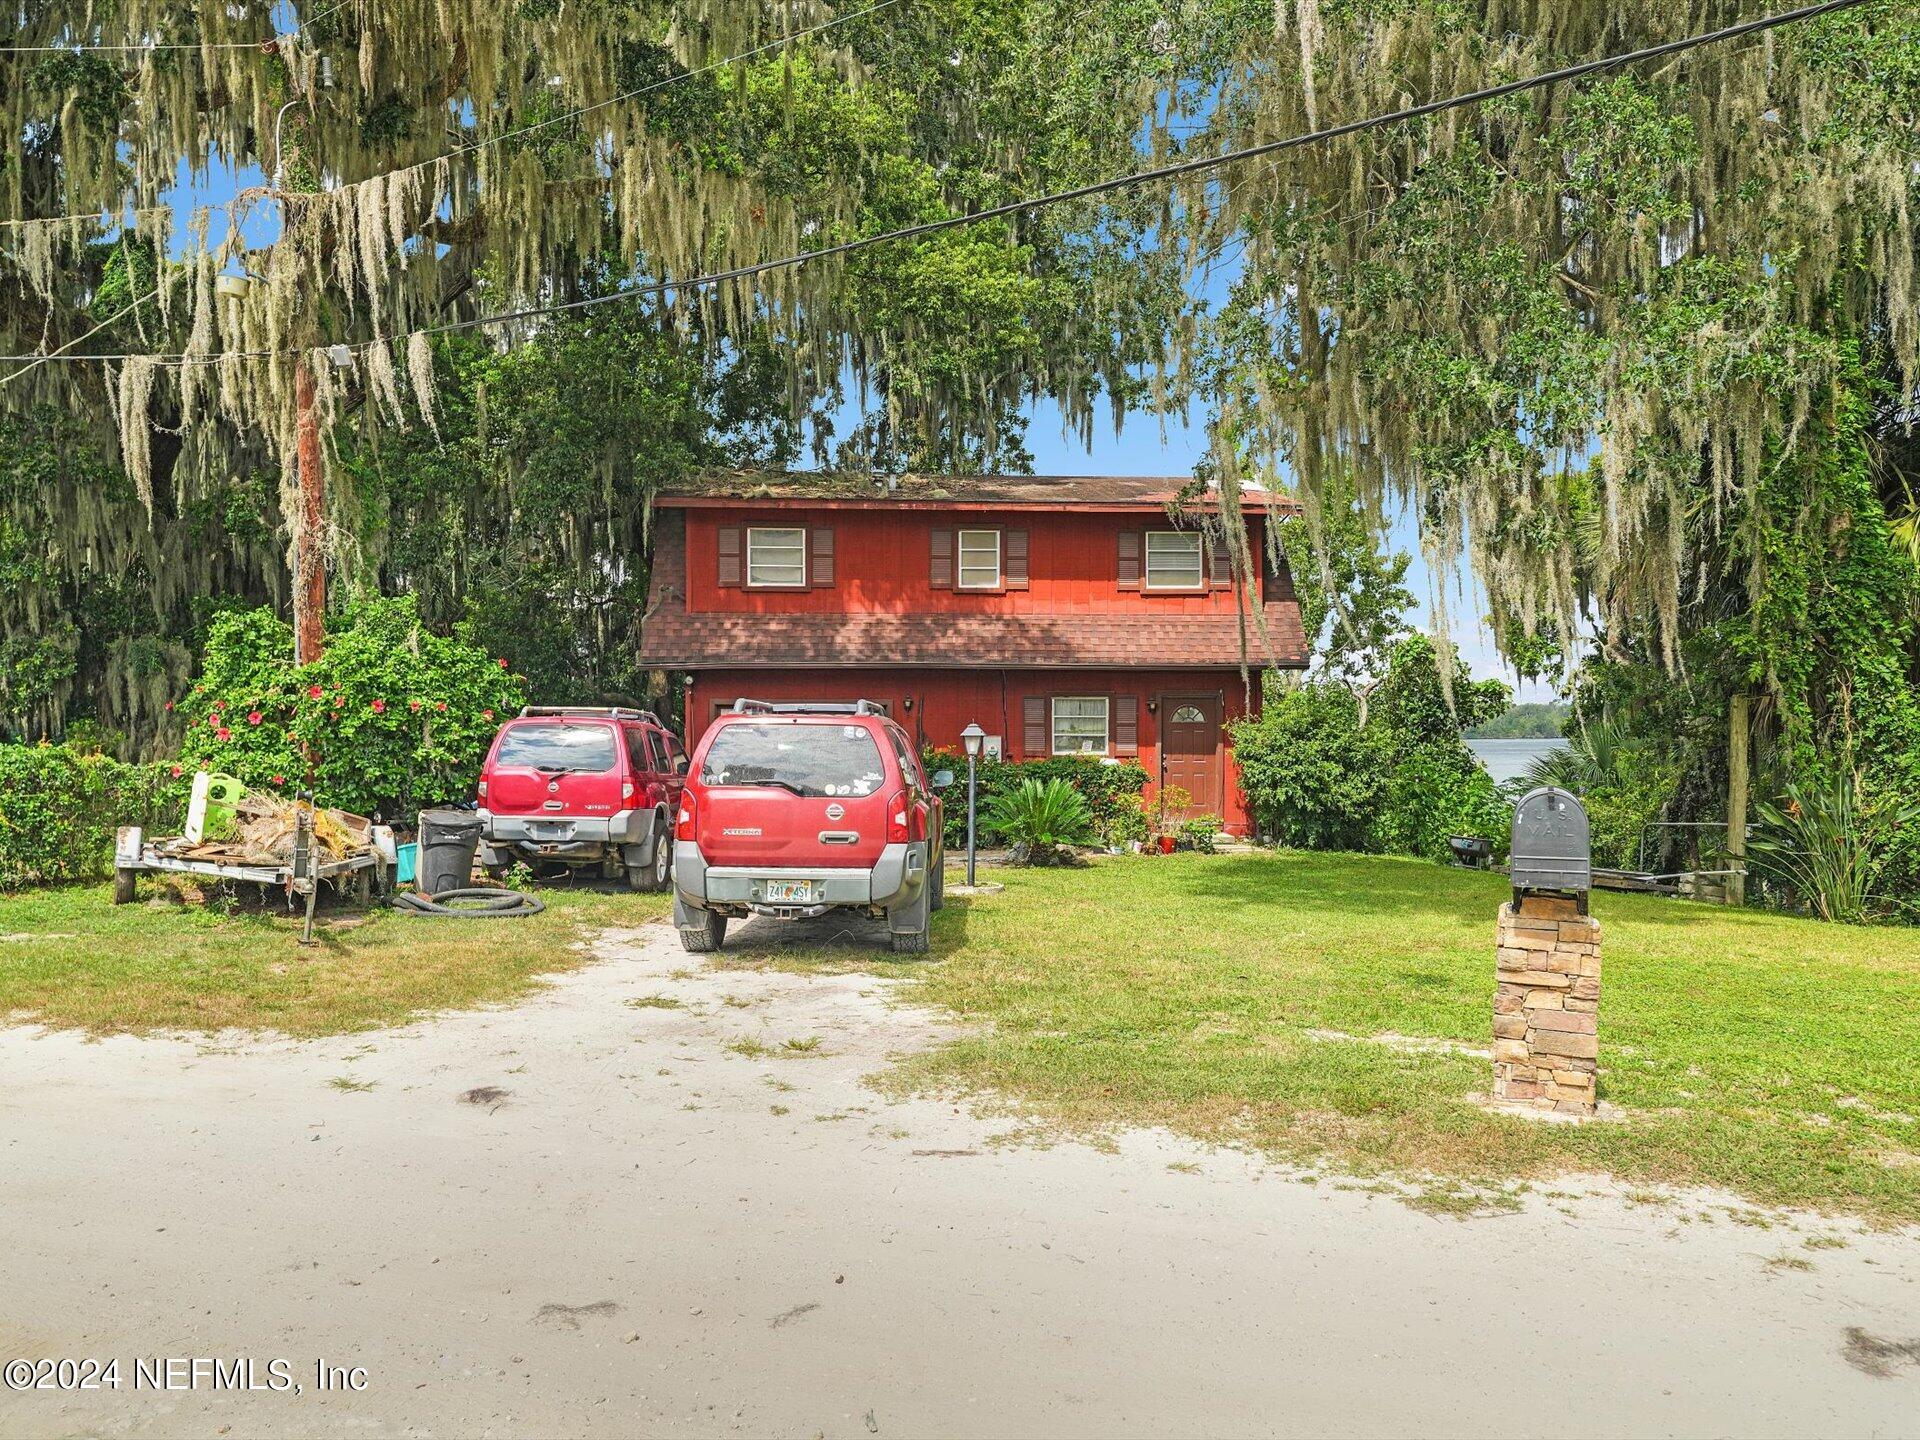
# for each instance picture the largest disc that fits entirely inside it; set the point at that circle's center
(1316, 778)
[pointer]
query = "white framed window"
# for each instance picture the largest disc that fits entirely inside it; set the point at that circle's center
(1174, 560)
(1079, 724)
(979, 555)
(777, 557)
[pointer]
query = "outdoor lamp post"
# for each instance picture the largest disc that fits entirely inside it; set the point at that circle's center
(971, 738)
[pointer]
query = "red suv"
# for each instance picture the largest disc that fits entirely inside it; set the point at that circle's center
(583, 786)
(797, 809)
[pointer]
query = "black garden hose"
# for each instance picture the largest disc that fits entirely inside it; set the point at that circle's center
(486, 902)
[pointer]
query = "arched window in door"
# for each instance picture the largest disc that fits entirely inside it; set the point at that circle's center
(1188, 715)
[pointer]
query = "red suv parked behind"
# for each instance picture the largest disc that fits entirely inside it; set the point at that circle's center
(797, 809)
(583, 786)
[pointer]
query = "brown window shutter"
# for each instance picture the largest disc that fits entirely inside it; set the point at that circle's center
(1035, 742)
(940, 558)
(1220, 567)
(730, 563)
(820, 556)
(1279, 580)
(1013, 568)
(1126, 724)
(1129, 560)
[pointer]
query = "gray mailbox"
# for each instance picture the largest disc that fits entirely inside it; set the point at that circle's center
(1552, 850)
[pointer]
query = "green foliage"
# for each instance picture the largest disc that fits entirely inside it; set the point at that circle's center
(1128, 825)
(1404, 781)
(1435, 788)
(1832, 637)
(1625, 780)
(1044, 816)
(1313, 777)
(1111, 792)
(1353, 594)
(526, 516)
(60, 804)
(1199, 834)
(1826, 645)
(1827, 844)
(392, 717)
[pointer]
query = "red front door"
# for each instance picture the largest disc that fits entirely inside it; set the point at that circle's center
(1190, 750)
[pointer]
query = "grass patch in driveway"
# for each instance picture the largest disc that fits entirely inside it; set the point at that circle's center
(73, 959)
(1238, 997)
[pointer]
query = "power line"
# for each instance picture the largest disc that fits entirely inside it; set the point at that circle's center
(1058, 197)
(61, 354)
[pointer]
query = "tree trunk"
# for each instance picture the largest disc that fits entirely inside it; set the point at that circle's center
(309, 553)
(1738, 712)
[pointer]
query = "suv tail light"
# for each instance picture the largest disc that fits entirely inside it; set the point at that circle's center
(899, 807)
(483, 789)
(683, 822)
(626, 789)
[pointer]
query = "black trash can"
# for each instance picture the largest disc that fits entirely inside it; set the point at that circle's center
(448, 841)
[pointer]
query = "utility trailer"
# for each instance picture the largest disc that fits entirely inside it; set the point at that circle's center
(358, 875)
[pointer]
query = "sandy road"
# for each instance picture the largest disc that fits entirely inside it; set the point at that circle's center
(651, 1232)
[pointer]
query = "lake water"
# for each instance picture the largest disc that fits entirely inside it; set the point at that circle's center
(1509, 759)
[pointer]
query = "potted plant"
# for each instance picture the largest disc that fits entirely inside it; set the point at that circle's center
(1126, 828)
(1164, 813)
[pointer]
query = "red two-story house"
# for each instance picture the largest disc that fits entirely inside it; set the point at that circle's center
(1064, 615)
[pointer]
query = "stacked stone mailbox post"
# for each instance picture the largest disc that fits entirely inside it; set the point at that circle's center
(1546, 1007)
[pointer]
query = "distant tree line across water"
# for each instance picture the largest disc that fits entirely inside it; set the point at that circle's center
(1535, 720)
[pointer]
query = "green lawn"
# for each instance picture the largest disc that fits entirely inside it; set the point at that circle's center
(1779, 1058)
(1776, 1057)
(70, 958)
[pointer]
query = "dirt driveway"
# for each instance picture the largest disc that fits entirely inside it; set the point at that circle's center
(601, 1213)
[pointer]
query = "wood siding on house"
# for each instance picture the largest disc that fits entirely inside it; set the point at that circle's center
(902, 562)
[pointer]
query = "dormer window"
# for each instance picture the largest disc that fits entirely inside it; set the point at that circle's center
(776, 559)
(979, 559)
(1174, 560)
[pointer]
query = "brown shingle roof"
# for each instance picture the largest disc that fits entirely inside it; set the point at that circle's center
(1111, 491)
(674, 640)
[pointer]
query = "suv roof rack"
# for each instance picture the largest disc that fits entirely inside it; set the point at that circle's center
(598, 712)
(808, 707)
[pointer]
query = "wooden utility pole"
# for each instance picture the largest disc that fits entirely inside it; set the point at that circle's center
(1738, 727)
(309, 548)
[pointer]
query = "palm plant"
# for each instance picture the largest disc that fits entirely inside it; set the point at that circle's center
(1599, 753)
(1044, 819)
(1825, 843)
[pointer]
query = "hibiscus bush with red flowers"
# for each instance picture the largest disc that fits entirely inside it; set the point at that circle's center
(391, 718)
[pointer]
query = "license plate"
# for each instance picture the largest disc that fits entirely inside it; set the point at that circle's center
(789, 892)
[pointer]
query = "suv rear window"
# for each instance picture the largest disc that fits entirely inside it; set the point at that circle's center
(810, 759)
(557, 747)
